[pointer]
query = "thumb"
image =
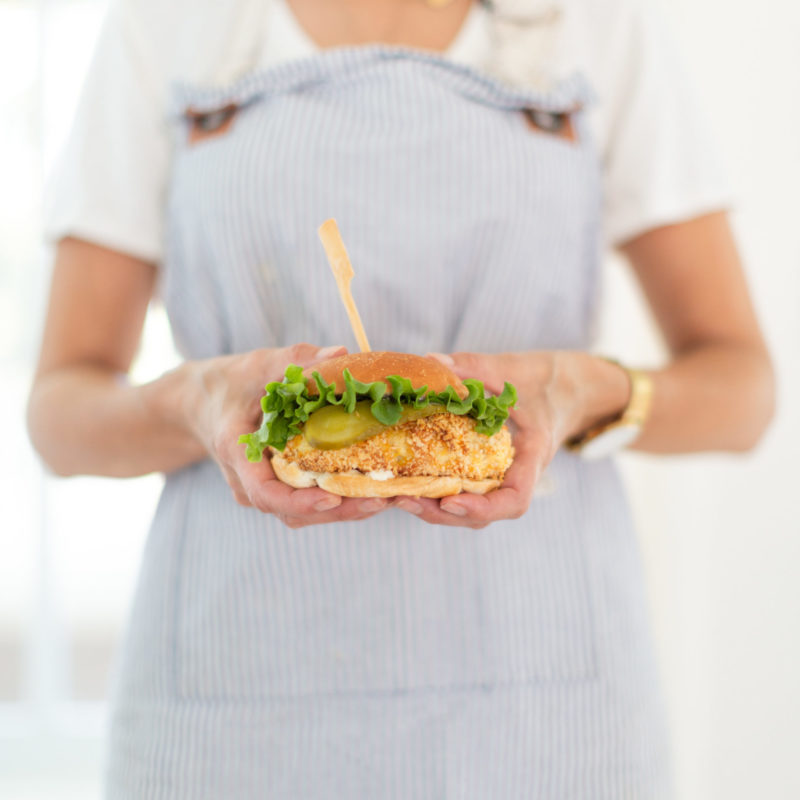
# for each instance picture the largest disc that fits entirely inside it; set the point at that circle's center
(305, 355)
(331, 351)
(473, 365)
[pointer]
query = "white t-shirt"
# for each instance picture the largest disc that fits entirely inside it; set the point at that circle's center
(110, 183)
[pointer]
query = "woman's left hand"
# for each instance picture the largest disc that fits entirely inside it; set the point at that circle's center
(560, 393)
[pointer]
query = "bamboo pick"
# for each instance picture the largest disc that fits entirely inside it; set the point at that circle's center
(343, 272)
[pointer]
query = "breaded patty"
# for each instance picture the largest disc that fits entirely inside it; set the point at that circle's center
(442, 444)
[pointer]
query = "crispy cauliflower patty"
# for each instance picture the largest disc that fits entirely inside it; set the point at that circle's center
(442, 444)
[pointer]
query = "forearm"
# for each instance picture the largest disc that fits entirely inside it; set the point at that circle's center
(718, 397)
(714, 397)
(86, 419)
(717, 392)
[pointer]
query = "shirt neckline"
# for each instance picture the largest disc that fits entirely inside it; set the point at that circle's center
(287, 39)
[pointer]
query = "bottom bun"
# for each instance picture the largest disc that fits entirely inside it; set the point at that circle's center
(357, 484)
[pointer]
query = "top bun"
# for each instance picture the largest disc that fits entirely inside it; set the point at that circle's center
(377, 365)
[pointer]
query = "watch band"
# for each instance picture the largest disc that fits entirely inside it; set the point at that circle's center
(633, 416)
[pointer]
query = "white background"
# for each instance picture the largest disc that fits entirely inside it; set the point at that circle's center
(720, 535)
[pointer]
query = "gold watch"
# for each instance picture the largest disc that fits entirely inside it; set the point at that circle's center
(610, 437)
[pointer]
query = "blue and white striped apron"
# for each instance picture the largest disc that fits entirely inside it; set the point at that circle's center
(387, 658)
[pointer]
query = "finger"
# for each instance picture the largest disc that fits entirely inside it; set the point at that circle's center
(228, 452)
(348, 510)
(513, 498)
(267, 493)
(351, 510)
(262, 486)
(305, 355)
(271, 495)
(232, 479)
(428, 510)
(270, 365)
(484, 367)
(264, 366)
(275, 497)
(510, 501)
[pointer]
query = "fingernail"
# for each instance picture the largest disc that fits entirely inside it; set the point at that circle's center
(327, 503)
(454, 508)
(412, 506)
(327, 352)
(443, 358)
(374, 504)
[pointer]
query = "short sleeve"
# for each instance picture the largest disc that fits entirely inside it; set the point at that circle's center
(659, 166)
(109, 182)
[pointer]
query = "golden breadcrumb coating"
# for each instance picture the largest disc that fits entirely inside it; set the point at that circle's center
(442, 444)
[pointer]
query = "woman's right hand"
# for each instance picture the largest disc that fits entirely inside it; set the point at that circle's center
(221, 401)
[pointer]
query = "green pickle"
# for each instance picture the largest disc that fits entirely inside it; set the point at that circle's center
(331, 427)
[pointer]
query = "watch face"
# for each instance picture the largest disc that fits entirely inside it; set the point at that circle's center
(610, 441)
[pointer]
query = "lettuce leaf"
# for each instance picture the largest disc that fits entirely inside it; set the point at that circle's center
(287, 405)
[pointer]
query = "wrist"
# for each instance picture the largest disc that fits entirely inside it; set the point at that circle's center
(599, 391)
(173, 399)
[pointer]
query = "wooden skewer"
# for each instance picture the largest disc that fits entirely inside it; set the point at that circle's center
(343, 272)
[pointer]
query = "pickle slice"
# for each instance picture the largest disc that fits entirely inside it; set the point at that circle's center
(331, 427)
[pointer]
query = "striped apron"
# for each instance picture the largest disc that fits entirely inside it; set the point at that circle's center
(386, 658)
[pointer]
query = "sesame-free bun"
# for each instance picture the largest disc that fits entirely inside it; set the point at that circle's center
(376, 366)
(357, 484)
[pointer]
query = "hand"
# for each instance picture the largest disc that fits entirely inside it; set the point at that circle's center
(224, 401)
(560, 393)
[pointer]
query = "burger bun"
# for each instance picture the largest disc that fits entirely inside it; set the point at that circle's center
(357, 484)
(378, 365)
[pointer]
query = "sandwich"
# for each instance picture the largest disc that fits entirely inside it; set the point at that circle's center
(384, 424)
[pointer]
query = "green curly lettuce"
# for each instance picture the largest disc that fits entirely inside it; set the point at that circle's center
(287, 405)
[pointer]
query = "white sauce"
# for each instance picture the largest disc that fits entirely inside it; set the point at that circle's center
(381, 474)
(310, 478)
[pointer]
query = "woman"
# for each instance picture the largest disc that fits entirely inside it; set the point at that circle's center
(391, 648)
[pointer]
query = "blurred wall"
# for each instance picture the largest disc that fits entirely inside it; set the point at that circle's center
(721, 535)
